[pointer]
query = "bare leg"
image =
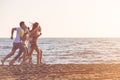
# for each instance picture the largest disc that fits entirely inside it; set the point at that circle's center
(15, 58)
(19, 59)
(9, 55)
(39, 55)
(30, 55)
(24, 55)
(38, 58)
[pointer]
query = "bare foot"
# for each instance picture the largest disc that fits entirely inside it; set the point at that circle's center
(22, 63)
(2, 62)
(12, 62)
(41, 62)
(31, 63)
(19, 59)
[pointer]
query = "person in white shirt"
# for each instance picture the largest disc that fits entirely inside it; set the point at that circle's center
(17, 44)
(24, 38)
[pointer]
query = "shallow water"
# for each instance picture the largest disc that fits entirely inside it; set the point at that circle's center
(72, 50)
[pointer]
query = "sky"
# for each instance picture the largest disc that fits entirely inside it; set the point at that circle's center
(63, 18)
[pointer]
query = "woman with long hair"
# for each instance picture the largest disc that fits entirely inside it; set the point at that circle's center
(33, 37)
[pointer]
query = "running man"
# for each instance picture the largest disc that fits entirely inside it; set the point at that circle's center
(17, 41)
(24, 40)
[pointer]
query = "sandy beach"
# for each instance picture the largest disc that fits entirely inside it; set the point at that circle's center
(60, 72)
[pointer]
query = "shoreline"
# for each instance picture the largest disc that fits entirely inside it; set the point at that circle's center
(60, 72)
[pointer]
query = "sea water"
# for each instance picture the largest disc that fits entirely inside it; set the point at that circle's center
(71, 50)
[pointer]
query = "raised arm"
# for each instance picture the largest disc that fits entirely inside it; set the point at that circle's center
(39, 31)
(12, 32)
(33, 31)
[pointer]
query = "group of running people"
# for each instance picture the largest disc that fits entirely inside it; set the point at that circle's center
(26, 42)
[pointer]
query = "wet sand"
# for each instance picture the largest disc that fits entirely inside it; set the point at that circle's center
(60, 72)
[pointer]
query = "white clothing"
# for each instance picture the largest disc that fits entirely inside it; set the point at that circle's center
(17, 38)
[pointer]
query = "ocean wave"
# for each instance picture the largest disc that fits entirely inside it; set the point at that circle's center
(90, 52)
(5, 47)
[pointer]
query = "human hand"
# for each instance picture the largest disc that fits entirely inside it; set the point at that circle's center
(40, 33)
(11, 37)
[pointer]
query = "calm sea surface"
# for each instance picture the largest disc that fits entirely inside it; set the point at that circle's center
(72, 50)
